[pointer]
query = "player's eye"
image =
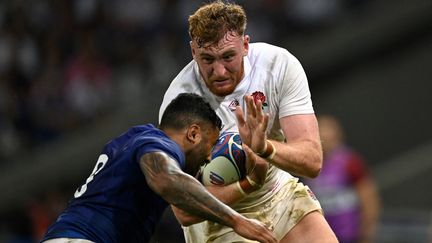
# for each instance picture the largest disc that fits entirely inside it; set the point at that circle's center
(229, 57)
(207, 60)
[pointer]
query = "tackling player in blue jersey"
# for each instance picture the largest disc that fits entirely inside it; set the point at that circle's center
(139, 173)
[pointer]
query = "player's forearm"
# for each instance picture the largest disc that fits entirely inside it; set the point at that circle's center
(189, 195)
(302, 158)
(185, 218)
(165, 178)
(229, 195)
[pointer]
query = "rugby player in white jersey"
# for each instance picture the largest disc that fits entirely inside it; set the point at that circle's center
(225, 68)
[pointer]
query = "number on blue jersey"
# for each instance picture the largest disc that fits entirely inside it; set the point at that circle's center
(102, 160)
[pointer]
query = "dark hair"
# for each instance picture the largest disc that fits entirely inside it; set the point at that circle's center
(189, 108)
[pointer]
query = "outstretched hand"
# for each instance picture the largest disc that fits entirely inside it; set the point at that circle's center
(253, 126)
(254, 230)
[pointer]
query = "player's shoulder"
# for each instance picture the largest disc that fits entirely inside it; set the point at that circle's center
(188, 71)
(147, 132)
(135, 133)
(131, 139)
(148, 138)
(263, 48)
(265, 52)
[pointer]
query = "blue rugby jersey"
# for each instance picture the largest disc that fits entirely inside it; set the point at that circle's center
(115, 204)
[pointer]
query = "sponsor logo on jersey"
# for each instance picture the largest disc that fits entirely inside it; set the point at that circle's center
(233, 104)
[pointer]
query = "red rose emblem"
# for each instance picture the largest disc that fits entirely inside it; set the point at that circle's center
(258, 95)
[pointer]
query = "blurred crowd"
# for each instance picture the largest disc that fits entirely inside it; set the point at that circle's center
(64, 64)
(67, 64)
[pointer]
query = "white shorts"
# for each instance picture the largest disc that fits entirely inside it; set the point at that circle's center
(67, 240)
(285, 209)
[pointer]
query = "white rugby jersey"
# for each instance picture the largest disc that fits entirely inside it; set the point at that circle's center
(277, 77)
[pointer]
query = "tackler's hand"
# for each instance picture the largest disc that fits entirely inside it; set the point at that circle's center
(254, 230)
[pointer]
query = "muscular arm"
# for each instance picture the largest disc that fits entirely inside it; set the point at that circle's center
(227, 194)
(181, 190)
(230, 194)
(166, 179)
(302, 152)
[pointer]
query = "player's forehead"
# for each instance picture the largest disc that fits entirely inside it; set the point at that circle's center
(231, 41)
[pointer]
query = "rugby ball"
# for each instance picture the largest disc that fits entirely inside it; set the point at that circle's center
(227, 164)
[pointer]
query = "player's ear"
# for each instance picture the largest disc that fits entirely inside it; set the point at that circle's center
(246, 39)
(193, 134)
(191, 43)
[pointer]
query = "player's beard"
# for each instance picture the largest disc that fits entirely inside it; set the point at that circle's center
(195, 159)
(224, 90)
(227, 85)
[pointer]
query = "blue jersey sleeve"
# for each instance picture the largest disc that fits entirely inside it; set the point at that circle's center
(160, 144)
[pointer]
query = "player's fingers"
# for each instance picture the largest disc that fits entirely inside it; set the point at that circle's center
(266, 234)
(240, 117)
(250, 105)
(271, 239)
(259, 110)
(268, 237)
(265, 122)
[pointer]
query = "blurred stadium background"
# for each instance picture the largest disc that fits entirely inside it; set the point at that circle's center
(74, 73)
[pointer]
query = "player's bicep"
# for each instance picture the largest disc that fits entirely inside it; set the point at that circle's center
(300, 128)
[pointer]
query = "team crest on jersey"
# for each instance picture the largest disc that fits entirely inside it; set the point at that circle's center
(258, 95)
(233, 104)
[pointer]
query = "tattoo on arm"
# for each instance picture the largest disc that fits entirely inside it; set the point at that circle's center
(165, 177)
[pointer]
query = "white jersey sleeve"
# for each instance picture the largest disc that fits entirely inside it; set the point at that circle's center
(294, 96)
(282, 77)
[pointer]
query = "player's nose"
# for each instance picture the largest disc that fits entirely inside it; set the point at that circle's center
(219, 69)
